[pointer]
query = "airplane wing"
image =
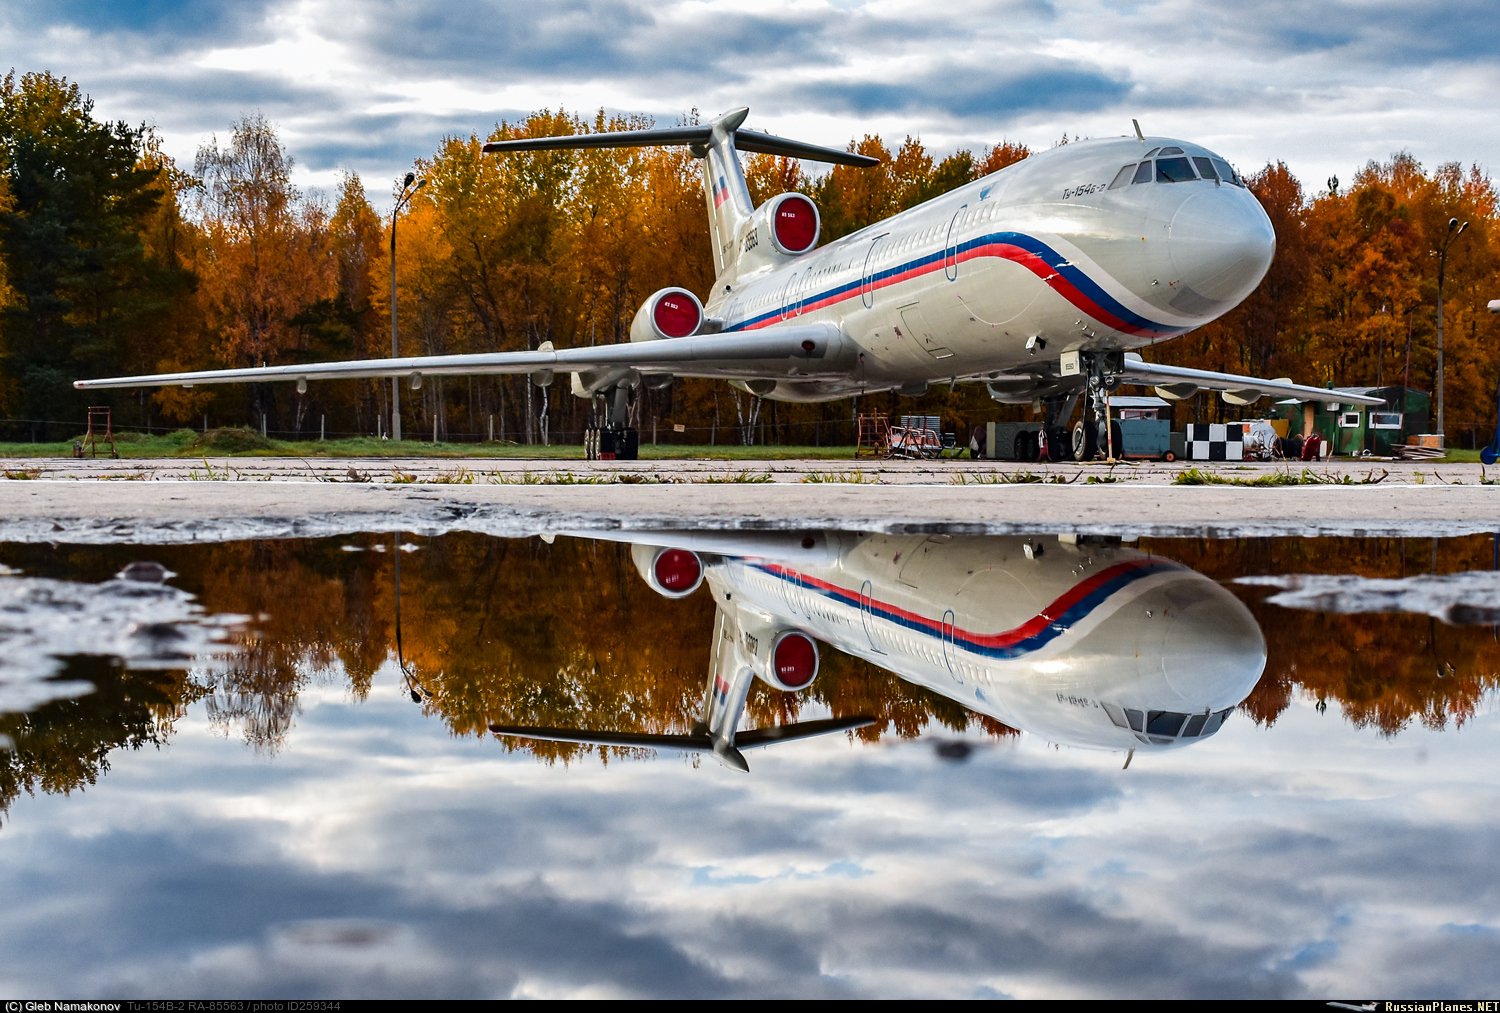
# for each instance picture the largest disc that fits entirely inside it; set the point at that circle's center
(1177, 382)
(785, 350)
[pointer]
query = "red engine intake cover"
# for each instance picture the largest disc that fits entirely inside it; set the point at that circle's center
(794, 660)
(677, 572)
(676, 315)
(794, 222)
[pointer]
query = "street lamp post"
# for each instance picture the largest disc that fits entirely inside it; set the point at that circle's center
(404, 195)
(1455, 229)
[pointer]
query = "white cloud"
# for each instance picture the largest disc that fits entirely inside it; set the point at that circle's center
(376, 86)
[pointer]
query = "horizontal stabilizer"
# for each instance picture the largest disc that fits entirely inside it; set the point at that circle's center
(692, 136)
(699, 743)
(729, 753)
(798, 730)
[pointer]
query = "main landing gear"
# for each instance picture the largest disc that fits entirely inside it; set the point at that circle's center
(1054, 438)
(1103, 371)
(609, 435)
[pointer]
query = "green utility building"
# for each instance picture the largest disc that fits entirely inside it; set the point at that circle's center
(1353, 430)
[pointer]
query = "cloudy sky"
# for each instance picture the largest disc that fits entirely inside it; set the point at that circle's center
(377, 855)
(374, 85)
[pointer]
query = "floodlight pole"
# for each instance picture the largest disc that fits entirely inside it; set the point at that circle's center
(404, 195)
(1455, 229)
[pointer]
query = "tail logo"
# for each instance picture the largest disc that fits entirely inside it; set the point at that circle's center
(721, 193)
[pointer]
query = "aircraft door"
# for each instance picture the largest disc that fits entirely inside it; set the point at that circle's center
(917, 326)
(791, 594)
(791, 296)
(950, 651)
(868, 282)
(951, 248)
(867, 617)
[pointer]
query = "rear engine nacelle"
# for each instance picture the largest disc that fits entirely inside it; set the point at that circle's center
(670, 572)
(669, 313)
(786, 660)
(790, 221)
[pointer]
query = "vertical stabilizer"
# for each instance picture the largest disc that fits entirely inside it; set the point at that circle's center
(718, 144)
(729, 205)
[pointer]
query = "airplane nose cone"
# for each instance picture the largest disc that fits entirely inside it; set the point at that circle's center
(1212, 650)
(1221, 244)
(1182, 644)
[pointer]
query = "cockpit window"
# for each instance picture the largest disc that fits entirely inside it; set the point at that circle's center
(1163, 723)
(1163, 728)
(1173, 165)
(1226, 173)
(1174, 170)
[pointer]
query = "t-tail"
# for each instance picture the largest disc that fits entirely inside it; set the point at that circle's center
(746, 647)
(744, 236)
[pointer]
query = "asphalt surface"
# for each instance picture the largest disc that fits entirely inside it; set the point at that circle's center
(177, 500)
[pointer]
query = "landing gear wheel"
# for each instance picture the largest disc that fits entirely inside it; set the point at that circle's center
(1059, 447)
(1116, 447)
(1018, 447)
(1085, 441)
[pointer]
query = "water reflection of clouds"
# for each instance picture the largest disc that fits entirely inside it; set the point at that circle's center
(376, 855)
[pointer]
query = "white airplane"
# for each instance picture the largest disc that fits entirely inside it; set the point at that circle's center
(1041, 281)
(1084, 643)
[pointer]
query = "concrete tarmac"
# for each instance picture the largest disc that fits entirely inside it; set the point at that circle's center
(183, 500)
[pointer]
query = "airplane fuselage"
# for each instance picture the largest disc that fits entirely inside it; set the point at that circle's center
(1062, 251)
(1040, 281)
(1086, 645)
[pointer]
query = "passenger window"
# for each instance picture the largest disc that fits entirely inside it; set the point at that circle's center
(1142, 173)
(1205, 167)
(1122, 177)
(1174, 170)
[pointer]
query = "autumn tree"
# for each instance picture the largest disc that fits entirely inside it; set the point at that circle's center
(84, 289)
(265, 260)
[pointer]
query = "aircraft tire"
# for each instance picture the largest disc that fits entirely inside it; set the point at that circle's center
(1059, 445)
(1117, 440)
(1085, 441)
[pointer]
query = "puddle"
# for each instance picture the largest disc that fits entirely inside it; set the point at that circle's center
(1017, 766)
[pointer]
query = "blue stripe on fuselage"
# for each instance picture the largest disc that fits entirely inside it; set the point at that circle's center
(1098, 303)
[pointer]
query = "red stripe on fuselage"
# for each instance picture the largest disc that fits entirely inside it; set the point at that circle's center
(1032, 262)
(1005, 638)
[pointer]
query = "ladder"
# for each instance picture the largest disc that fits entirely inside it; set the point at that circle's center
(874, 439)
(98, 415)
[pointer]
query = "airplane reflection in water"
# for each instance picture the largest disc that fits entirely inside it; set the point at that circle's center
(1084, 642)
